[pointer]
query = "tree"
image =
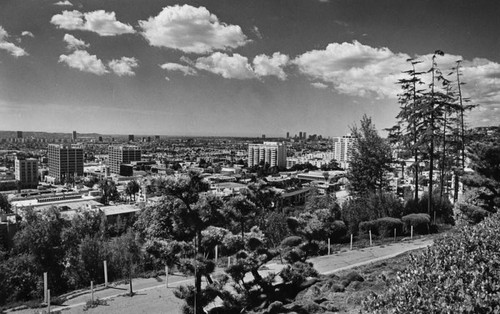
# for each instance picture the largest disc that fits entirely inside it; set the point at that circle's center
(132, 188)
(40, 236)
(484, 182)
(404, 133)
(125, 254)
(4, 204)
(109, 192)
(186, 217)
(371, 158)
(316, 201)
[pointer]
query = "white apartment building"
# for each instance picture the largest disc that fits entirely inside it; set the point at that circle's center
(272, 153)
(343, 148)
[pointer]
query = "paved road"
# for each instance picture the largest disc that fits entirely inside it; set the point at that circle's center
(344, 259)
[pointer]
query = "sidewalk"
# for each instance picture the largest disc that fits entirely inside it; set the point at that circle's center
(153, 296)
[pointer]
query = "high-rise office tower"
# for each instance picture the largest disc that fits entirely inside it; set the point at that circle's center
(272, 153)
(123, 154)
(131, 138)
(26, 172)
(73, 136)
(300, 135)
(287, 135)
(65, 160)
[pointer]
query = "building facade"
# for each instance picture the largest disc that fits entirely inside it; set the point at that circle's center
(65, 161)
(272, 153)
(26, 172)
(123, 154)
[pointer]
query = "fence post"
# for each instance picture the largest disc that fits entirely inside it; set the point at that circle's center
(228, 261)
(45, 287)
(166, 276)
(216, 253)
(370, 237)
(328, 246)
(394, 234)
(105, 273)
(92, 292)
(48, 301)
(351, 241)
(411, 235)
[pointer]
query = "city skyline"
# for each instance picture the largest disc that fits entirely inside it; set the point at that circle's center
(231, 67)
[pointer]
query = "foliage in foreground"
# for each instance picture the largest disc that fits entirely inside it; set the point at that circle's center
(459, 274)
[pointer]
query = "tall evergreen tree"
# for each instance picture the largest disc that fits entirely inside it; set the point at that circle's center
(371, 158)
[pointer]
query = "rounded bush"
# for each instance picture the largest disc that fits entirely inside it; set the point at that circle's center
(420, 222)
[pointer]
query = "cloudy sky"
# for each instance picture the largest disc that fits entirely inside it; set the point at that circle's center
(233, 67)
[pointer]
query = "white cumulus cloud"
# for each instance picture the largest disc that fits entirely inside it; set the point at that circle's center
(360, 70)
(319, 85)
(124, 66)
(85, 62)
(10, 47)
(239, 67)
(230, 67)
(101, 22)
(267, 66)
(354, 68)
(64, 3)
(185, 69)
(27, 33)
(191, 30)
(74, 43)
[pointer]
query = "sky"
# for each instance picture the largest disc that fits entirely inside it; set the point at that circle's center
(234, 67)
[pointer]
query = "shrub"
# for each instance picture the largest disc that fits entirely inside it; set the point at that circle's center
(337, 230)
(442, 207)
(382, 226)
(370, 207)
(420, 223)
(471, 213)
(93, 304)
(291, 241)
(460, 273)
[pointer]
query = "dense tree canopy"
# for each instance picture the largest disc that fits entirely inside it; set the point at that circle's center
(370, 161)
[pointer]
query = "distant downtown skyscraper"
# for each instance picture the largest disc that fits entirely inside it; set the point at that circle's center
(73, 137)
(123, 154)
(272, 153)
(65, 161)
(131, 138)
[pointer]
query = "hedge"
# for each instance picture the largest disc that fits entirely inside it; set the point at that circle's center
(382, 226)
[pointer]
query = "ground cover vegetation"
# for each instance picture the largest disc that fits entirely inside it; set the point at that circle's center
(458, 274)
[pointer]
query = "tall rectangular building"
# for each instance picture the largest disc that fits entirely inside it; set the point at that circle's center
(73, 136)
(26, 172)
(123, 154)
(343, 148)
(272, 153)
(131, 138)
(65, 161)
